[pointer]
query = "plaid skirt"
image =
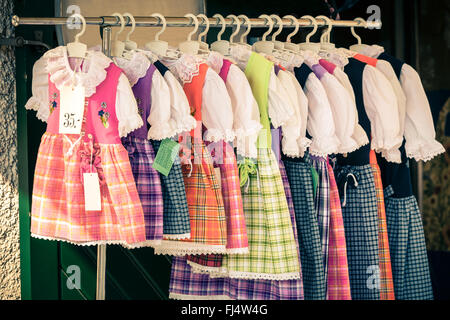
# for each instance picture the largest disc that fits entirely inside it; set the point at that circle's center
(184, 284)
(386, 282)
(58, 209)
(148, 185)
(338, 282)
(323, 205)
(359, 212)
(206, 210)
(301, 186)
(176, 214)
(410, 267)
(237, 243)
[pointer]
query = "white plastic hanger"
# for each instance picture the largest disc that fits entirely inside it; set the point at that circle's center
(204, 47)
(238, 27)
(118, 46)
(326, 45)
(243, 40)
(288, 45)
(157, 46)
(130, 45)
(277, 44)
(221, 46)
(264, 46)
(189, 46)
(78, 49)
(310, 45)
(359, 46)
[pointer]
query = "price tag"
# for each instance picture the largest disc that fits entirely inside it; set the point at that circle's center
(218, 176)
(92, 200)
(71, 109)
(168, 151)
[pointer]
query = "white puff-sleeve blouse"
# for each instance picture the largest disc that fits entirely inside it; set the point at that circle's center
(56, 64)
(280, 109)
(420, 134)
(320, 119)
(381, 107)
(217, 112)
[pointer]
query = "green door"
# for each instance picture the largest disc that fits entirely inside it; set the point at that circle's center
(50, 269)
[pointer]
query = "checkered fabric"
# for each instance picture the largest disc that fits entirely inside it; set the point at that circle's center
(301, 185)
(148, 184)
(338, 281)
(386, 282)
(58, 209)
(176, 213)
(272, 246)
(224, 158)
(410, 267)
(323, 205)
(360, 217)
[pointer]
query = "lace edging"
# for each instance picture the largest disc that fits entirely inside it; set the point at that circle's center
(42, 111)
(176, 236)
(88, 243)
(129, 126)
(136, 68)
(180, 296)
(257, 276)
(433, 151)
(179, 248)
(160, 131)
(351, 146)
(217, 135)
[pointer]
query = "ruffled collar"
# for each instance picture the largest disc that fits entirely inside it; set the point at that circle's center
(215, 61)
(61, 73)
(134, 68)
(372, 51)
(185, 68)
(241, 54)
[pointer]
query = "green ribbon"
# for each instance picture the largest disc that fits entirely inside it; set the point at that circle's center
(246, 167)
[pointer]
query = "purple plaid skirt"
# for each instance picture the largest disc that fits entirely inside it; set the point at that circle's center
(148, 185)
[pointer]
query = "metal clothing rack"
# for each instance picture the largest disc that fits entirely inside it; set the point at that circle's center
(106, 22)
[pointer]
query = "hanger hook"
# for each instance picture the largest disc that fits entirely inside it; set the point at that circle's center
(268, 21)
(133, 24)
(122, 24)
(220, 19)
(352, 29)
(194, 18)
(294, 22)
(238, 26)
(328, 31)
(83, 28)
(161, 19)
(205, 21)
(280, 28)
(249, 26)
(314, 23)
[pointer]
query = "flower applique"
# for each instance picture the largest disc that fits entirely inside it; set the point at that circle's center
(104, 115)
(53, 104)
(140, 109)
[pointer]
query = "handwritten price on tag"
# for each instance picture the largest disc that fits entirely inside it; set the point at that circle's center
(69, 120)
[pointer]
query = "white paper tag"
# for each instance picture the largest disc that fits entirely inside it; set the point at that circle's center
(218, 176)
(71, 109)
(92, 200)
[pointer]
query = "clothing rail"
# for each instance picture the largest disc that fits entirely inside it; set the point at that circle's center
(142, 21)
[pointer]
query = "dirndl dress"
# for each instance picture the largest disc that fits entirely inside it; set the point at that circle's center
(58, 204)
(141, 154)
(203, 193)
(298, 172)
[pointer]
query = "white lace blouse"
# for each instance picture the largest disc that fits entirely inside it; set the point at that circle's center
(419, 129)
(135, 68)
(58, 65)
(246, 123)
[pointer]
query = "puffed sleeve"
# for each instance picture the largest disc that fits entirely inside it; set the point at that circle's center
(246, 123)
(126, 108)
(280, 109)
(419, 128)
(180, 112)
(39, 87)
(291, 129)
(381, 107)
(343, 109)
(159, 117)
(217, 113)
(320, 119)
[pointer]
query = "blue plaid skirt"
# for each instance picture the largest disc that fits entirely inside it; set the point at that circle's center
(359, 212)
(408, 251)
(176, 214)
(300, 180)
